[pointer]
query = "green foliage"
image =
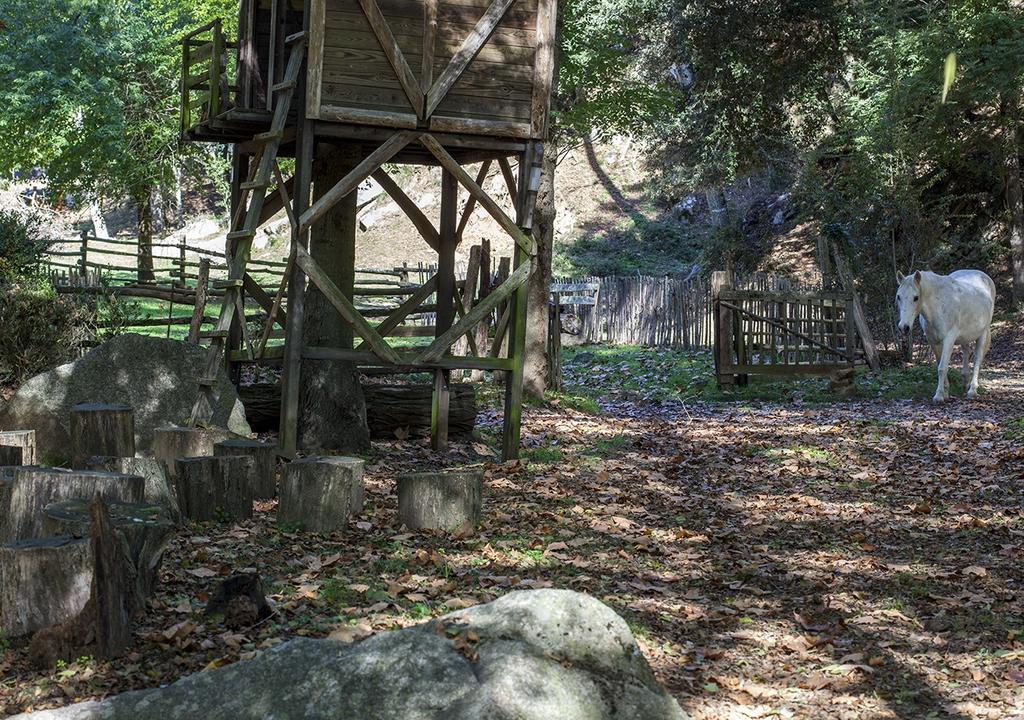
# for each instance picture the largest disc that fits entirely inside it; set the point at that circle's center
(635, 245)
(23, 241)
(90, 91)
(40, 329)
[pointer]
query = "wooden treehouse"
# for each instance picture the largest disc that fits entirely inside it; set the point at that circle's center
(444, 83)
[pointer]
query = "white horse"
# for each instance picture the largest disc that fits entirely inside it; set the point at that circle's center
(954, 309)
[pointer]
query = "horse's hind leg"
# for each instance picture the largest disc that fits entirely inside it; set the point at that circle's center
(965, 349)
(980, 348)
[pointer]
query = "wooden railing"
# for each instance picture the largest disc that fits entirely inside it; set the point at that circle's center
(206, 71)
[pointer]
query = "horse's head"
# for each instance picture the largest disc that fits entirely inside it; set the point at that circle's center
(908, 300)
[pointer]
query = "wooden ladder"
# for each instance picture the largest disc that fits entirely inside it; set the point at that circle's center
(244, 225)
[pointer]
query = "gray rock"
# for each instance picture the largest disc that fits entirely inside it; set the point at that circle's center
(156, 377)
(541, 655)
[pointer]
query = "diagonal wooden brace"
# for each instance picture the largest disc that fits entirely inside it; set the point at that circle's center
(449, 163)
(344, 306)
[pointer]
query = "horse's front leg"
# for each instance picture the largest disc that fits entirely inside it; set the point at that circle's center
(942, 391)
(980, 348)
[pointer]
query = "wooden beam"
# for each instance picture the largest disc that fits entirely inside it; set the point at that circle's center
(360, 172)
(465, 54)
(429, 43)
(405, 309)
(510, 179)
(448, 162)
(382, 118)
(485, 167)
(405, 360)
(261, 297)
(412, 211)
(543, 68)
(382, 30)
(344, 306)
(315, 61)
(478, 313)
(272, 206)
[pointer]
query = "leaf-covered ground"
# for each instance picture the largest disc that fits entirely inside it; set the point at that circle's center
(860, 559)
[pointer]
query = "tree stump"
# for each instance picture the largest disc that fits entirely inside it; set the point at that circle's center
(159, 489)
(318, 494)
(440, 500)
(172, 442)
(215, 488)
(264, 459)
(11, 455)
(23, 439)
(144, 528)
(113, 596)
(43, 582)
(32, 489)
(842, 382)
(99, 429)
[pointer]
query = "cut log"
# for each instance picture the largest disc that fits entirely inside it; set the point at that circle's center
(215, 488)
(319, 494)
(388, 408)
(159, 488)
(11, 455)
(173, 441)
(32, 489)
(24, 439)
(446, 500)
(264, 459)
(43, 582)
(144, 528)
(100, 429)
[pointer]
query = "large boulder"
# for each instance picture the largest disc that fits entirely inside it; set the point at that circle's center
(531, 655)
(156, 377)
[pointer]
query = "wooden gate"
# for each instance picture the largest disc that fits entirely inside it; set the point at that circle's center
(787, 334)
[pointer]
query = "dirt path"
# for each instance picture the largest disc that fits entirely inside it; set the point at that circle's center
(861, 560)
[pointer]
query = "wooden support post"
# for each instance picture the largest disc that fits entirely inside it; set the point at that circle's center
(517, 321)
(84, 260)
(181, 262)
(445, 304)
(722, 280)
(289, 434)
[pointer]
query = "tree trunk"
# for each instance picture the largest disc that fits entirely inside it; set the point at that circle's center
(535, 371)
(1014, 194)
(332, 411)
(145, 212)
(99, 225)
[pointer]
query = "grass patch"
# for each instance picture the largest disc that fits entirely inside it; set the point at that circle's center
(543, 455)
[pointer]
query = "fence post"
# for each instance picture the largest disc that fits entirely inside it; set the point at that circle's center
(722, 280)
(181, 262)
(85, 254)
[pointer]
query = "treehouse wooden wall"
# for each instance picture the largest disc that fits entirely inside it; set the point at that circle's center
(383, 63)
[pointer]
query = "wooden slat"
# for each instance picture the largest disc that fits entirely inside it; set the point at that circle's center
(429, 42)
(485, 200)
(405, 360)
(465, 54)
(360, 172)
(478, 313)
(510, 180)
(479, 126)
(379, 118)
(423, 225)
(390, 46)
(315, 61)
(344, 306)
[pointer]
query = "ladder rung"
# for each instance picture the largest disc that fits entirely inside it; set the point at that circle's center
(286, 85)
(229, 283)
(207, 381)
(253, 185)
(265, 137)
(241, 234)
(294, 38)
